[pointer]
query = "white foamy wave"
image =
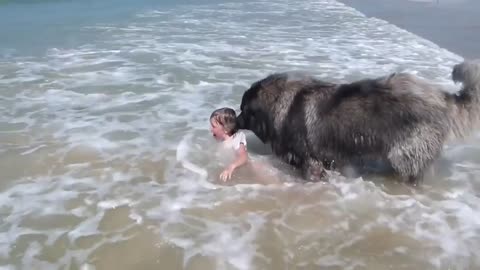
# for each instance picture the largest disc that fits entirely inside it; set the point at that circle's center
(182, 152)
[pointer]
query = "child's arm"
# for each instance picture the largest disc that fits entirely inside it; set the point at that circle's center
(242, 158)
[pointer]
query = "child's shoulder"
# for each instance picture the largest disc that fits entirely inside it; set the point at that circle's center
(240, 138)
(240, 133)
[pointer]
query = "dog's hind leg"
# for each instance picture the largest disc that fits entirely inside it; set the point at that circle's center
(414, 180)
(413, 155)
(314, 171)
(408, 168)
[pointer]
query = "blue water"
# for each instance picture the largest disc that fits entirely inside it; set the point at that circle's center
(32, 27)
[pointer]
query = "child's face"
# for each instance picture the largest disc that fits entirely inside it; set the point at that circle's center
(217, 130)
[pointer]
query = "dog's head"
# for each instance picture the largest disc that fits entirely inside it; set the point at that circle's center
(253, 115)
(260, 102)
(257, 106)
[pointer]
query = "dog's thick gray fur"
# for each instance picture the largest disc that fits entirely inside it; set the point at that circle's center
(399, 122)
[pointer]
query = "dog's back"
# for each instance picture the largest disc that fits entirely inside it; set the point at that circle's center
(359, 124)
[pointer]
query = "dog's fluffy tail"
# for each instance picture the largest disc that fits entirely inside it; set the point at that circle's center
(465, 113)
(468, 73)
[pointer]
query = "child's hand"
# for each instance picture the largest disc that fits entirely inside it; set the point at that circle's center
(227, 173)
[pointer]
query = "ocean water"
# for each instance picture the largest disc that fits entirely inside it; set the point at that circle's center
(107, 161)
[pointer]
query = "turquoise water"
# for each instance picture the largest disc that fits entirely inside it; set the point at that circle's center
(107, 161)
(31, 27)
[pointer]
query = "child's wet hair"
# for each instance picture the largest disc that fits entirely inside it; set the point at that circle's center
(227, 118)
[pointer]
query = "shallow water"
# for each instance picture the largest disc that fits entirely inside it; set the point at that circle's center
(107, 161)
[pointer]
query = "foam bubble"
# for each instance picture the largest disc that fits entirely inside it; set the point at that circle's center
(113, 203)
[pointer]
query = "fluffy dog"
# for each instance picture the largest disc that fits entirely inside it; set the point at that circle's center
(397, 123)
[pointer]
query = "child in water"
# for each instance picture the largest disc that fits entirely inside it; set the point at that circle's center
(223, 124)
(224, 129)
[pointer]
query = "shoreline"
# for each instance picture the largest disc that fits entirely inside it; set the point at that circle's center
(451, 24)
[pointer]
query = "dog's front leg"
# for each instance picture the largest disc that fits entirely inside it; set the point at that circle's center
(314, 171)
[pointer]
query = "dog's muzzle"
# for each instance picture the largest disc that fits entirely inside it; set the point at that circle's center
(240, 121)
